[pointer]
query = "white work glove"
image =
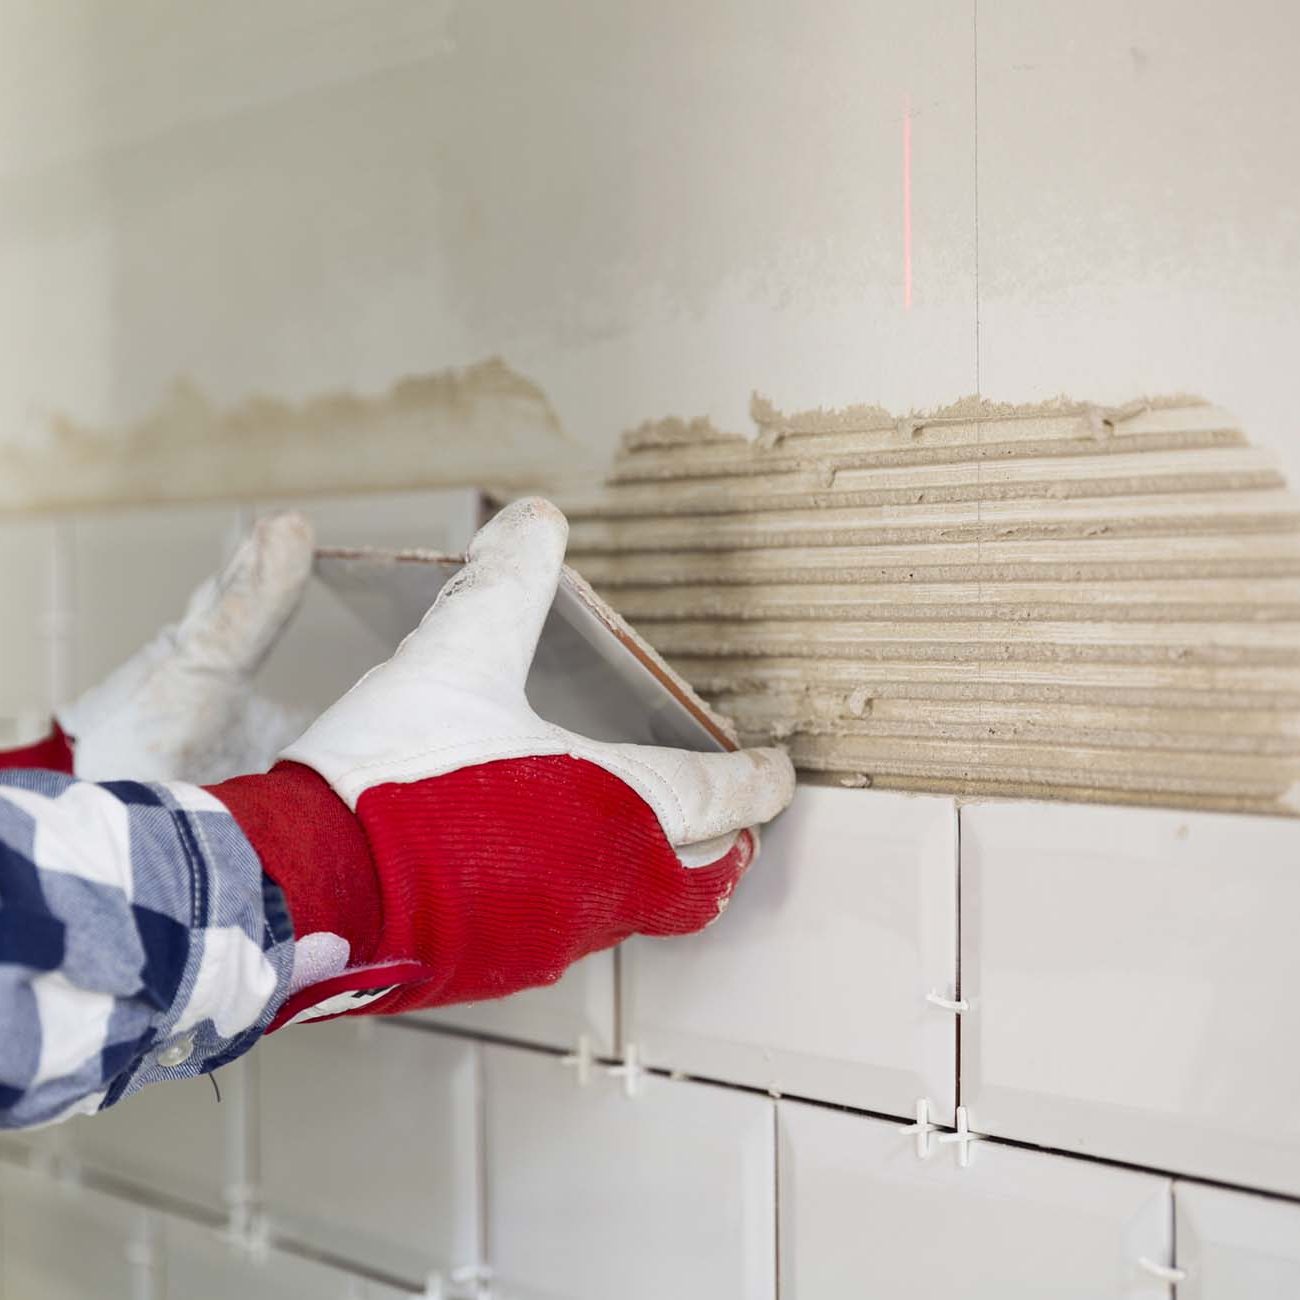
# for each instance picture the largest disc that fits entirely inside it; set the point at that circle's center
(183, 708)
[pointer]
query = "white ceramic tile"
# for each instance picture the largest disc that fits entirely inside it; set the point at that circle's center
(326, 649)
(863, 1215)
(581, 1003)
(442, 520)
(133, 574)
(1236, 1247)
(201, 1264)
(1138, 223)
(369, 1137)
(1132, 978)
(13, 1145)
(44, 1148)
(174, 1139)
(62, 1242)
(593, 1194)
(26, 578)
(814, 981)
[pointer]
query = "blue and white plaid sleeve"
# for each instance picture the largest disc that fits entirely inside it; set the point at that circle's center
(139, 941)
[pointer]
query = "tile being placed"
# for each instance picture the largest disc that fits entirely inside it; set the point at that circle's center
(815, 980)
(59, 1241)
(202, 1264)
(134, 571)
(1232, 1246)
(861, 1213)
(593, 1194)
(1131, 977)
(369, 1139)
(326, 648)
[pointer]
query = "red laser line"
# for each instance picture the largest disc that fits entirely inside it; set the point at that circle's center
(907, 203)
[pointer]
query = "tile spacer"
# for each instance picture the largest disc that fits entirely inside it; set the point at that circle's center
(240, 1200)
(963, 1137)
(629, 1071)
(581, 1060)
(1163, 1271)
(249, 1235)
(955, 1005)
(478, 1277)
(922, 1128)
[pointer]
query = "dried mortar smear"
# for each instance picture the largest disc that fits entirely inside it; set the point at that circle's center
(485, 423)
(1055, 601)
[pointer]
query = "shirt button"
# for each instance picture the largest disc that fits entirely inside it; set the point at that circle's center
(177, 1053)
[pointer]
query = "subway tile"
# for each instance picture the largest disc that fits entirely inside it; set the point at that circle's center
(1131, 978)
(173, 1139)
(814, 982)
(433, 520)
(203, 1264)
(60, 1241)
(1232, 1246)
(862, 1213)
(369, 1138)
(593, 1194)
(326, 648)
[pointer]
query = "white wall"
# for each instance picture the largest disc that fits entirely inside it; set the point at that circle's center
(649, 210)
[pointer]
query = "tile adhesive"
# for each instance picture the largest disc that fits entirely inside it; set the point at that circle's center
(1059, 601)
(483, 422)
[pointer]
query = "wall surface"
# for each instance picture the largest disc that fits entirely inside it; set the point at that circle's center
(644, 211)
(1057, 600)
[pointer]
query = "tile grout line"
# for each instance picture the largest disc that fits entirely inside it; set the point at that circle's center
(1173, 1233)
(957, 986)
(845, 1108)
(480, 1122)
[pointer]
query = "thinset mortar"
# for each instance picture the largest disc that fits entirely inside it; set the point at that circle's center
(1057, 601)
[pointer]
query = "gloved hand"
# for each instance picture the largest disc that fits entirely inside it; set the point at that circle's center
(438, 842)
(182, 707)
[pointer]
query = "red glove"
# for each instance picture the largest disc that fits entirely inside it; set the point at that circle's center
(51, 754)
(439, 842)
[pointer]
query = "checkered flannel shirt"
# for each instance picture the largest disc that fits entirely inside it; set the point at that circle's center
(139, 941)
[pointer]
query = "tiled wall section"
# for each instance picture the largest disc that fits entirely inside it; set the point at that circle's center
(1128, 974)
(1114, 985)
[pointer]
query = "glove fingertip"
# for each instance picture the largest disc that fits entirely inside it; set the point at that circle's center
(523, 527)
(285, 545)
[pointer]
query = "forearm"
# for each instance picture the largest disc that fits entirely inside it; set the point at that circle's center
(139, 941)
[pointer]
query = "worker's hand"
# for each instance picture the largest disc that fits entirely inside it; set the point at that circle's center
(439, 842)
(182, 708)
